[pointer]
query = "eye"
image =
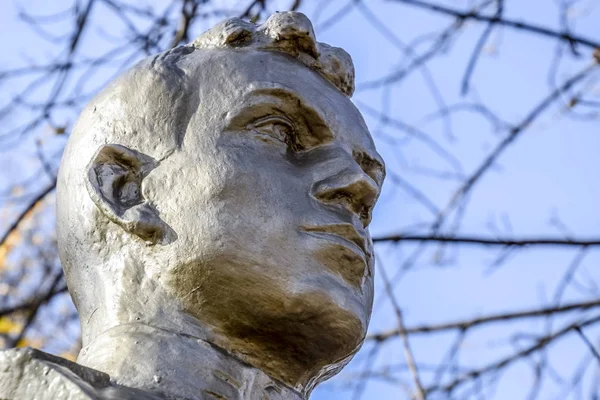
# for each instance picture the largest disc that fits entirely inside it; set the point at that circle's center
(277, 127)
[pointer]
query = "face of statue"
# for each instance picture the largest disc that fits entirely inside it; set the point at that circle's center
(269, 196)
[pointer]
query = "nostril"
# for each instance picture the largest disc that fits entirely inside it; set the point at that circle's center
(354, 191)
(352, 201)
(339, 196)
(365, 216)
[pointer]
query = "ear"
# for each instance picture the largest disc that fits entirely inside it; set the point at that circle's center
(114, 182)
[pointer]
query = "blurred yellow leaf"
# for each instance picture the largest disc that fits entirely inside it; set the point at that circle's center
(69, 356)
(8, 326)
(24, 342)
(26, 223)
(11, 241)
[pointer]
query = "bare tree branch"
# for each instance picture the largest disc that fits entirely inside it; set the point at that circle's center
(26, 211)
(470, 323)
(514, 133)
(410, 360)
(481, 240)
(497, 20)
(478, 47)
(504, 362)
(588, 343)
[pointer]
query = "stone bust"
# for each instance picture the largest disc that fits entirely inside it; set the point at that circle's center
(212, 213)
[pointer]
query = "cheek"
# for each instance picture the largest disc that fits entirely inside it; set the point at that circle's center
(233, 199)
(185, 195)
(261, 183)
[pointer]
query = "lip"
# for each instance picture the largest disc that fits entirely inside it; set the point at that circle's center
(344, 234)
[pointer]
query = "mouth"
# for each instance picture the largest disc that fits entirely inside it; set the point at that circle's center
(344, 234)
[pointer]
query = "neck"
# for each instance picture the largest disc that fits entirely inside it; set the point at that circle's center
(178, 365)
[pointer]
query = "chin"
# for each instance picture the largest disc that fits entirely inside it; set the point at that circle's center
(303, 337)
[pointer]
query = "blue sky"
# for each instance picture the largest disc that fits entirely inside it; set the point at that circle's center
(549, 172)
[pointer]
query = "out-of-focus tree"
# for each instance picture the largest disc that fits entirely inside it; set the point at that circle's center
(82, 44)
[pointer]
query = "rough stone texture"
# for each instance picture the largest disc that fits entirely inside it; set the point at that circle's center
(212, 213)
(35, 375)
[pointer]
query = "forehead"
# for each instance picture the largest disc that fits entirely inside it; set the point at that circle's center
(233, 79)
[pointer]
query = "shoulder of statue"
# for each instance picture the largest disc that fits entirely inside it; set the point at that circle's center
(33, 374)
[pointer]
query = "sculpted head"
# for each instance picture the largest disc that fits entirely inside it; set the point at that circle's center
(223, 189)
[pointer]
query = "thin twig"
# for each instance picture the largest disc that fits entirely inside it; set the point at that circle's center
(478, 48)
(588, 343)
(410, 360)
(496, 20)
(496, 366)
(470, 323)
(480, 240)
(34, 309)
(514, 133)
(26, 211)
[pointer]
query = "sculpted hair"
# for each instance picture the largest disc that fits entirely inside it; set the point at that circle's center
(287, 32)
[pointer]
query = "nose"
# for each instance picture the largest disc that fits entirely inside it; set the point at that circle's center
(350, 188)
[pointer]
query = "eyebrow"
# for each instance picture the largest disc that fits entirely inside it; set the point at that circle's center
(269, 88)
(286, 94)
(312, 116)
